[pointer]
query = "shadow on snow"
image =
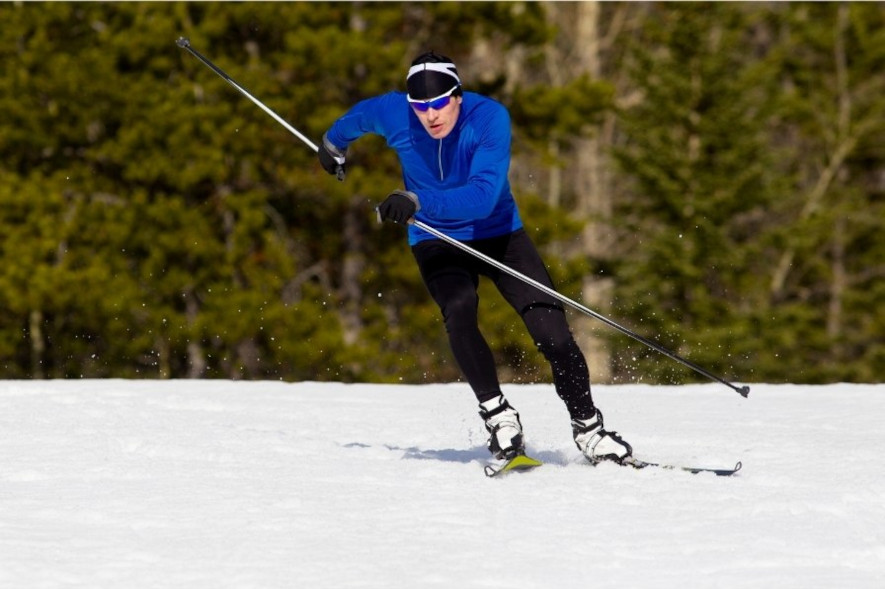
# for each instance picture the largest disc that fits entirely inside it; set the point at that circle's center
(475, 454)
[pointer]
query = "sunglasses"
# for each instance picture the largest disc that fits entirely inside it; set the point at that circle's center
(437, 103)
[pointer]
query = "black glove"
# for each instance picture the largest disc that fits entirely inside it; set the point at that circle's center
(399, 206)
(331, 158)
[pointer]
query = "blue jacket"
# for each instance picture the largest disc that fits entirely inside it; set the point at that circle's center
(461, 180)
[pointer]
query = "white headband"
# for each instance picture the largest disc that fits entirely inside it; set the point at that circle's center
(445, 68)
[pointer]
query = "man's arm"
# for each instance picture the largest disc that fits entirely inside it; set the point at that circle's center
(364, 117)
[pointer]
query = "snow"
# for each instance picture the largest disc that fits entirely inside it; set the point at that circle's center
(217, 484)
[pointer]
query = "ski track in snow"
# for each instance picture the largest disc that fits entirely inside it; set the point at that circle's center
(219, 484)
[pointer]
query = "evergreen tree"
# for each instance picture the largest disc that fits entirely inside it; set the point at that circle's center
(703, 179)
(154, 222)
(828, 269)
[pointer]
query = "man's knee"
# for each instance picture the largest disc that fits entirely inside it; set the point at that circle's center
(460, 310)
(550, 332)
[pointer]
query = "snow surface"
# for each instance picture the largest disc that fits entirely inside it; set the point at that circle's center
(216, 484)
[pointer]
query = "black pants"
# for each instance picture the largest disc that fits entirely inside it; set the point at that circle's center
(452, 277)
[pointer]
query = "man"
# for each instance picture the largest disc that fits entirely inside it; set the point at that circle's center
(454, 149)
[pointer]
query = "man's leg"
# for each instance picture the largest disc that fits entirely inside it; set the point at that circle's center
(571, 377)
(545, 319)
(452, 283)
(452, 280)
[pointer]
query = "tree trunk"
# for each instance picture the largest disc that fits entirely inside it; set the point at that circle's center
(195, 355)
(351, 272)
(838, 282)
(594, 201)
(164, 358)
(38, 343)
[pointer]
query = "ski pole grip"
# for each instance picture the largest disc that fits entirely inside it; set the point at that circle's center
(339, 173)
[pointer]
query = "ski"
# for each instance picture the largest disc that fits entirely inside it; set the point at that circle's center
(640, 464)
(520, 462)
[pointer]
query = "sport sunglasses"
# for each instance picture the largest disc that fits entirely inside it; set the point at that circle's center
(435, 103)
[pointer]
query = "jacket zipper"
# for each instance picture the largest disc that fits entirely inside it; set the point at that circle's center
(439, 159)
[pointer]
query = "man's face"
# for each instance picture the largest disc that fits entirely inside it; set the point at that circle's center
(440, 122)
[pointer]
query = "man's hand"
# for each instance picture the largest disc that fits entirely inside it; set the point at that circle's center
(399, 206)
(331, 158)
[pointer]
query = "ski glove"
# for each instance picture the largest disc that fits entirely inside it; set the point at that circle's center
(331, 158)
(399, 207)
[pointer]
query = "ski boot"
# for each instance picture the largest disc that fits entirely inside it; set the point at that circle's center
(505, 429)
(597, 444)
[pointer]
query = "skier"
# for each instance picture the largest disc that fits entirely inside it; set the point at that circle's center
(454, 150)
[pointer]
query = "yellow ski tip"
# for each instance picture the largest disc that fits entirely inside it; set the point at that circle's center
(520, 462)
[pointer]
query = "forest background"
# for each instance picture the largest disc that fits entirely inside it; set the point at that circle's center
(711, 175)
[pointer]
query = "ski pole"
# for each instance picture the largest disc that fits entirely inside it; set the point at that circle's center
(185, 44)
(742, 390)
